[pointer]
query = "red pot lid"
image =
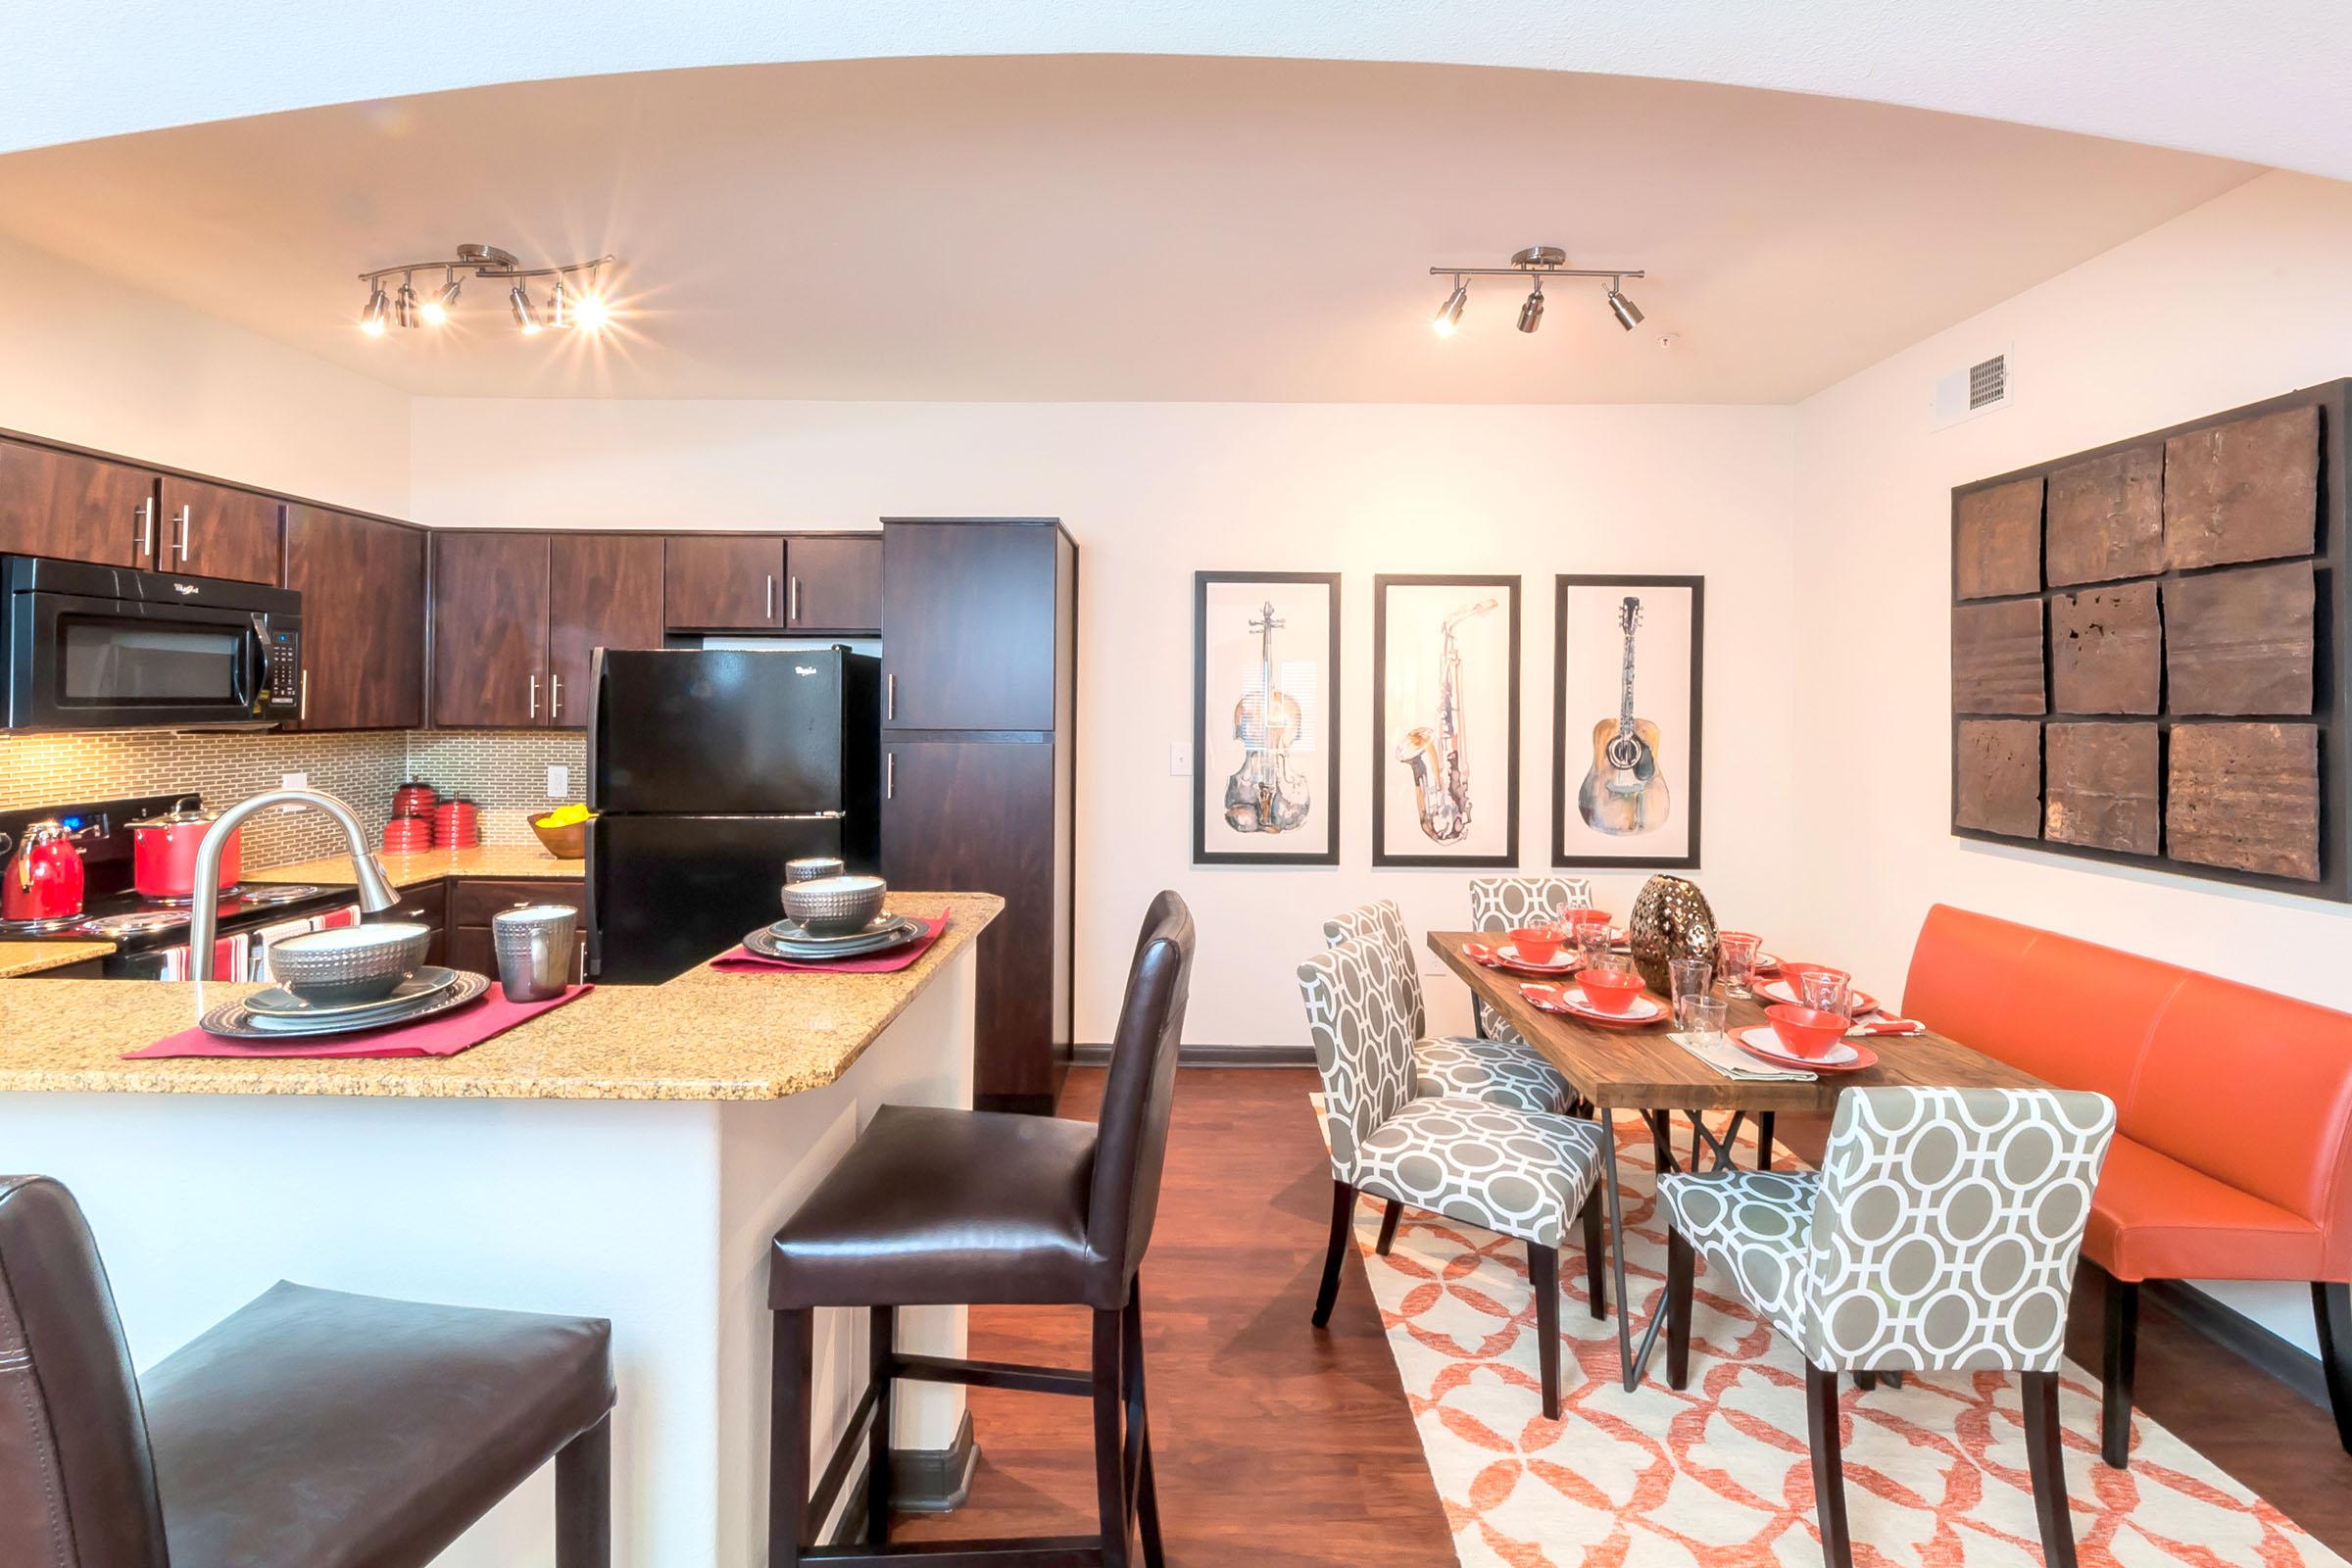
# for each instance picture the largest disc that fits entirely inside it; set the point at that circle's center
(175, 819)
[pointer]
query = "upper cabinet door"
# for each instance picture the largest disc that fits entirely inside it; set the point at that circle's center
(833, 582)
(361, 583)
(968, 632)
(210, 530)
(74, 507)
(603, 590)
(724, 582)
(490, 629)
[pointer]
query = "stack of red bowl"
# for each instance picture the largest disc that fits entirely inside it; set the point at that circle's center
(406, 835)
(414, 800)
(456, 825)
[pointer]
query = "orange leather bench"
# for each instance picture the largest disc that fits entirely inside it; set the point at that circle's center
(2232, 1156)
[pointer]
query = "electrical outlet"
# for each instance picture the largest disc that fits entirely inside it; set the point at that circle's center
(1180, 760)
(293, 781)
(558, 781)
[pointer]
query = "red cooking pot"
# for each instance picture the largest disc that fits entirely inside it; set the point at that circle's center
(42, 881)
(163, 853)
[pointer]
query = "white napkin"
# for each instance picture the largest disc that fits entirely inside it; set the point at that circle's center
(1730, 1062)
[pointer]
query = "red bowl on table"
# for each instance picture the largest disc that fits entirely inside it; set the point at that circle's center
(1803, 1031)
(1610, 990)
(1536, 944)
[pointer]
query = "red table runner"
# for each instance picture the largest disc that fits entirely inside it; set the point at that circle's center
(740, 961)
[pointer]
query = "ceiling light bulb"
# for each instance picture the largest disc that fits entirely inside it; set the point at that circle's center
(1530, 314)
(592, 312)
(1627, 313)
(526, 318)
(558, 305)
(372, 320)
(1450, 313)
(435, 311)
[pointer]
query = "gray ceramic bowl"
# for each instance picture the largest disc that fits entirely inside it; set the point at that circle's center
(835, 906)
(809, 867)
(354, 964)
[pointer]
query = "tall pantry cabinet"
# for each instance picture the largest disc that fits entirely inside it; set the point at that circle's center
(979, 638)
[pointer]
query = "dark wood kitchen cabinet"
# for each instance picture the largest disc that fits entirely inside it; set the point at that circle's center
(472, 901)
(971, 623)
(362, 583)
(489, 621)
(603, 590)
(426, 905)
(979, 620)
(833, 583)
(724, 582)
(75, 508)
(210, 530)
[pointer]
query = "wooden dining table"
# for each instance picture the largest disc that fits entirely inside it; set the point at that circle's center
(1642, 1069)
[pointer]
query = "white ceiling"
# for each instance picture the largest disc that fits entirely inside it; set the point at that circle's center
(1114, 227)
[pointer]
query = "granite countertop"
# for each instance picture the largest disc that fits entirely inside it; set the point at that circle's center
(702, 1036)
(31, 957)
(431, 865)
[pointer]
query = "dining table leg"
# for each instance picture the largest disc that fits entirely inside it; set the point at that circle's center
(1633, 1358)
(1616, 1201)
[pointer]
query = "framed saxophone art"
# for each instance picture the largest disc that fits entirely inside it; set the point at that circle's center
(1446, 722)
(1265, 718)
(1626, 665)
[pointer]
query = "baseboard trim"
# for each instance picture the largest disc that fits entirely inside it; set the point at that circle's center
(921, 1480)
(1202, 1056)
(2245, 1338)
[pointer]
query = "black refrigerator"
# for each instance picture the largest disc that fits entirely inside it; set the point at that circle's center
(708, 770)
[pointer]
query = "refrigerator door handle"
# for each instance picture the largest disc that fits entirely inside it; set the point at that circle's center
(889, 697)
(890, 775)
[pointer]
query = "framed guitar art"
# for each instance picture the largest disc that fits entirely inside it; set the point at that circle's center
(1626, 665)
(1446, 722)
(1265, 718)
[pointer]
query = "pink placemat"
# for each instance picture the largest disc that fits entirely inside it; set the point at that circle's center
(460, 1029)
(741, 961)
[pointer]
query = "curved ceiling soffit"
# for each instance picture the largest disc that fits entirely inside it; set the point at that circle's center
(2181, 74)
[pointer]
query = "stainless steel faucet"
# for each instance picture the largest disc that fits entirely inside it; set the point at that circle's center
(203, 912)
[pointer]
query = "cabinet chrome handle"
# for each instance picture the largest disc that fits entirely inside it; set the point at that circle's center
(890, 775)
(146, 533)
(305, 714)
(889, 697)
(186, 528)
(770, 612)
(792, 601)
(554, 695)
(534, 695)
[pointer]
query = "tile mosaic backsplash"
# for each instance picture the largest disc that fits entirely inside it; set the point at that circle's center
(502, 772)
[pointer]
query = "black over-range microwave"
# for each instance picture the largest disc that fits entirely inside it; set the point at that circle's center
(92, 647)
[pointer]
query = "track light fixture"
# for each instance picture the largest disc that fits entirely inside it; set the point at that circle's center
(1536, 264)
(571, 301)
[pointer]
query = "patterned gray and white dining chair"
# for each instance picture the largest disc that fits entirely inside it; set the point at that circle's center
(1503, 1072)
(1939, 1235)
(1500, 903)
(1525, 1175)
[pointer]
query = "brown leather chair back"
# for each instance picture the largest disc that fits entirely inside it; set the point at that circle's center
(76, 1482)
(1131, 1139)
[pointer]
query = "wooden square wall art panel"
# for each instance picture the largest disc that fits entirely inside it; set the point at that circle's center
(2247, 796)
(2106, 518)
(2166, 683)
(2242, 641)
(1996, 546)
(2105, 650)
(2104, 787)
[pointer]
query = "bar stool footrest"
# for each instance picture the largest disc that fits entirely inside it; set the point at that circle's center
(993, 1374)
(1012, 1552)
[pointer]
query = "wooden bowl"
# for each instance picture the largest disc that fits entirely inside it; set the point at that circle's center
(566, 843)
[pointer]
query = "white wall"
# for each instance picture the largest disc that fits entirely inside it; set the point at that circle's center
(2241, 299)
(1154, 492)
(95, 361)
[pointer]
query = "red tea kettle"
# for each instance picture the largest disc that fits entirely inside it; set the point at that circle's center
(43, 880)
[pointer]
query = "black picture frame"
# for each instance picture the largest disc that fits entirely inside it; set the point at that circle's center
(1383, 764)
(1202, 854)
(1561, 788)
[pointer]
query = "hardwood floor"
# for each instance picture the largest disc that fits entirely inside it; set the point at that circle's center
(1275, 1444)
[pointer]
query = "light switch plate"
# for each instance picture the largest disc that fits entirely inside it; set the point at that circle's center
(558, 781)
(1180, 760)
(293, 781)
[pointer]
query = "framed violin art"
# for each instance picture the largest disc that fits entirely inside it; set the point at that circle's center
(1625, 778)
(1265, 718)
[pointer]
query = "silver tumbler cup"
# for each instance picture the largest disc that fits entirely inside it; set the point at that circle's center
(809, 867)
(534, 950)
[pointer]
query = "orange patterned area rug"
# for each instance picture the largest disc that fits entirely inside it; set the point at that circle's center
(1718, 1474)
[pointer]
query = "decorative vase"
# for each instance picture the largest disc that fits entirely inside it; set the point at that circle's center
(1671, 919)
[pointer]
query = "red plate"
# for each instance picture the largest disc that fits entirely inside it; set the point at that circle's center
(1862, 1001)
(1552, 998)
(1770, 1051)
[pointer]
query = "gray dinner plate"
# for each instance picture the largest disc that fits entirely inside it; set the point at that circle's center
(280, 1002)
(798, 935)
(233, 1021)
(768, 945)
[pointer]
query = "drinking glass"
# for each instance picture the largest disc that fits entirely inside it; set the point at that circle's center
(1826, 991)
(1705, 1019)
(1592, 941)
(1735, 950)
(1691, 977)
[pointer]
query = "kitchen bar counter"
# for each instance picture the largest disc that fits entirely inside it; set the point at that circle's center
(702, 1036)
(498, 861)
(19, 959)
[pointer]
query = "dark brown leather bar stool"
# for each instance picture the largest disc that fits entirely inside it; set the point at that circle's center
(936, 1208)
(308, 1429)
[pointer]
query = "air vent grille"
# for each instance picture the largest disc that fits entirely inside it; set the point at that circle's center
(1980, 388)
(1987, 382)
